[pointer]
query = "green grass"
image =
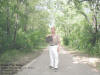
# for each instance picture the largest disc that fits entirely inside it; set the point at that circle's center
(11, 55)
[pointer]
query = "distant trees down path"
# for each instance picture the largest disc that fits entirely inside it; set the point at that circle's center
(78, 23)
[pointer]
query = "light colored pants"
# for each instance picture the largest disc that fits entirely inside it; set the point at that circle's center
(53, 56)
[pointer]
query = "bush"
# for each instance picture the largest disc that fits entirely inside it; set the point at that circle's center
(96, 49)
(29, 40)
(65, 40)
(84, 38)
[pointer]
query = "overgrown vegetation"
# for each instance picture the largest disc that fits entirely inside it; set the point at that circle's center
(22, 28)
(24, 24)
(79, 25)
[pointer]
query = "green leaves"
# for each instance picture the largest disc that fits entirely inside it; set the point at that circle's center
(27, 26)
(77, 27)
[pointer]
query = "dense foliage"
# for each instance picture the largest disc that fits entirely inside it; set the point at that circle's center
(21, 25)
(80, 24)
(24, 24)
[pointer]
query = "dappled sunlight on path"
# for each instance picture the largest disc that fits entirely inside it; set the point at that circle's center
(81, 58)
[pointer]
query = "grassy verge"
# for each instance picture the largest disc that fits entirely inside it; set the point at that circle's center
(12, 60)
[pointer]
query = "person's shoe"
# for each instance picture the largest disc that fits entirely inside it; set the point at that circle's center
(51, 67)
(55, 69)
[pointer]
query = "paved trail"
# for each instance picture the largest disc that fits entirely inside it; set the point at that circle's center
(39, 66)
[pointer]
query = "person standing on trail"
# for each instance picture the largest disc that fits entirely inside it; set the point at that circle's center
(54, 49)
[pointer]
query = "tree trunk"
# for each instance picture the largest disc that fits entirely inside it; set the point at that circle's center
(8, 23)
(16, 23)
(95, 29)
(95, 23)
(15, 28)
(26, 18)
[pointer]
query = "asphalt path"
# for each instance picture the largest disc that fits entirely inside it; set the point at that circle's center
(67, 66)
